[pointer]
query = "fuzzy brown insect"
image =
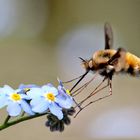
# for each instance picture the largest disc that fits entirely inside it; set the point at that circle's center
(108, 62)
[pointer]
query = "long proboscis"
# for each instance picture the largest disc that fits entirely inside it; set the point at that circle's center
(79, 80)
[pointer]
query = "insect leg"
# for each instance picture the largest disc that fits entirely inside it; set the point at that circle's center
(65, 82)
(76, 85)
(93, 93)
(90, 104)
(80, 89)
(110, 86)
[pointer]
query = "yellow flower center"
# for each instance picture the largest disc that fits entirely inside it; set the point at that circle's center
(68, 92)
(16, 97)
(50, 96)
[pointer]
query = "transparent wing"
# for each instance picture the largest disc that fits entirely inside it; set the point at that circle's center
(108, 36)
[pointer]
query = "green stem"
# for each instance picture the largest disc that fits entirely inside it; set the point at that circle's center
(24, 118)
(6, 120)
(23, 113)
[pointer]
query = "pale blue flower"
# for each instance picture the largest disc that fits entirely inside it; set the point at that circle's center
(46, 98)
(14, 101)
(64, 95)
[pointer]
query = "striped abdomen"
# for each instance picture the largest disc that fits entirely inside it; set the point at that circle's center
(132, 64)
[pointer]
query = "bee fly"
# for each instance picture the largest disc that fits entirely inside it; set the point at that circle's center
(108, 62)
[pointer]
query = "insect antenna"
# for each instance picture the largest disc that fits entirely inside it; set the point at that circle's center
(82, 59)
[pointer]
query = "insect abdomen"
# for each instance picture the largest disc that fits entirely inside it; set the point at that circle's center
(132, 65)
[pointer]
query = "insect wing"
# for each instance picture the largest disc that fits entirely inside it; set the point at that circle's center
(108, 36)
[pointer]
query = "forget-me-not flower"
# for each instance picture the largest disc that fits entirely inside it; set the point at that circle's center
(14, 101)
(64, 94)
(47, 98)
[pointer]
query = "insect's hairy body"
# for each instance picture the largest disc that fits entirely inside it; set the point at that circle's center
(132, 65)
(108, 62)
(126, 62)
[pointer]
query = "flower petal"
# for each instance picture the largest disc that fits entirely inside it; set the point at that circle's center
(48, 89)
(45, 88)
(7, 90)
(25, 96)
(41, 107)
(13, 109)
(35, 92)
(36, 101)
(67, 103)
(1, 90)
(22, 86)
(56, 110)
(3, 100)
(62, 91)
(26, 107)
(60, 82)
(50, 85)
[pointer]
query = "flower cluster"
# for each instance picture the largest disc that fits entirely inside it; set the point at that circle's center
(33, 99)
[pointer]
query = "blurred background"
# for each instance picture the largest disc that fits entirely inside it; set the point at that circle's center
(41, 40)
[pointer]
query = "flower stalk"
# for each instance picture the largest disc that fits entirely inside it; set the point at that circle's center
(7, 124)
(35, 101)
